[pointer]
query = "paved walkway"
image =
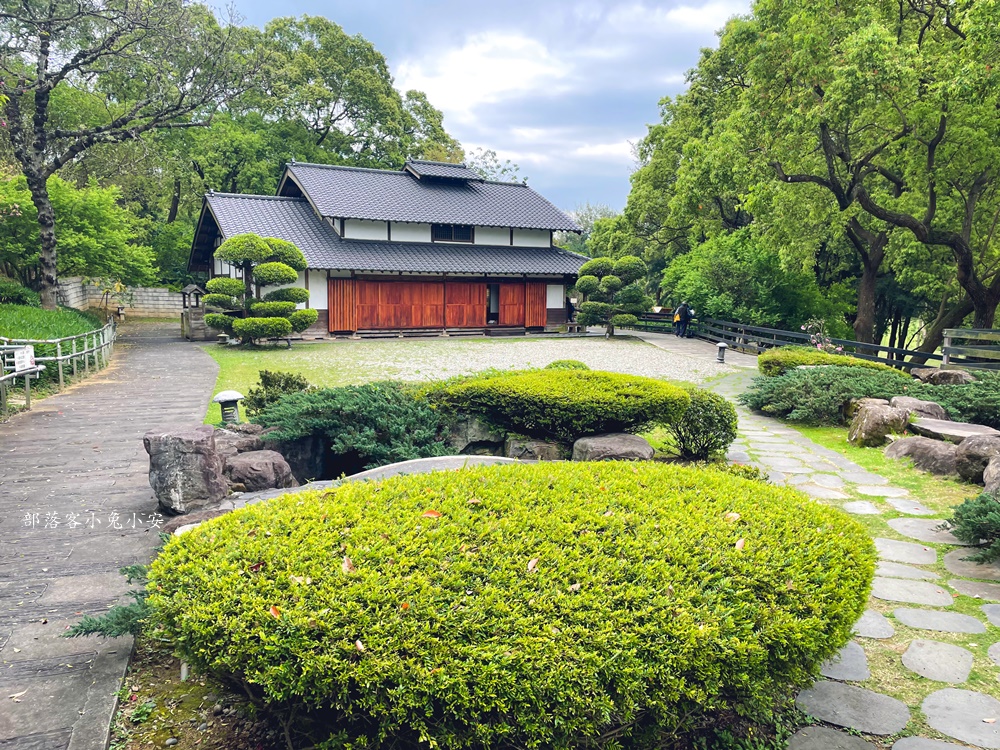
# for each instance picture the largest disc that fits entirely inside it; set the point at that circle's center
(66, 468)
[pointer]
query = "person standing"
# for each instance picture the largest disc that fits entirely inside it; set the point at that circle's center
(682, 316)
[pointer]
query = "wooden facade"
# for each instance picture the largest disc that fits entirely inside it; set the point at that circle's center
(399, 304)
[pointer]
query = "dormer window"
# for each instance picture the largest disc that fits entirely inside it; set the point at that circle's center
(451, 233)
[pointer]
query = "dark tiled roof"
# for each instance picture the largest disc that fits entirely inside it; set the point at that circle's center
(293, 219)
(443, 170)
(386, 195)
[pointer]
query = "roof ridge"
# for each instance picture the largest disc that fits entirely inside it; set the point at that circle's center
(254, 195)
(344, 167)
(441, 163)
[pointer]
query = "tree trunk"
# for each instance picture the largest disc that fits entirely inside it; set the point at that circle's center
(904, 330)
(47, 235)
(175, 201)
(871, 261)
(947, 318)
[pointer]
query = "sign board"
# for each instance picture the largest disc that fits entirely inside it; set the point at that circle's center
(24, 359)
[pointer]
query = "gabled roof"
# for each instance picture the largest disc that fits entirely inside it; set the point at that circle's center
(442, 170)
(293, 219)
(387, 195)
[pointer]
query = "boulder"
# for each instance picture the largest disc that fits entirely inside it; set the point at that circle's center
(935, 456)
(260, 470)
(945, 429)
(613, 446)
(942, 376)
(873, 423)
(472, 436)
(856, 403)
(991, 475)
(246, 428)
(192, 518)
(306, 456)
(974, 454)
(229, 443)
(528, 449)
(920, 408)
(185, 469)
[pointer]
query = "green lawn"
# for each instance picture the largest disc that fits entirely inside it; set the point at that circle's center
(22, 322)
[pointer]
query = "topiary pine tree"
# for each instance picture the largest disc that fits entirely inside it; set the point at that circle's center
(613, 292)
(264, 261)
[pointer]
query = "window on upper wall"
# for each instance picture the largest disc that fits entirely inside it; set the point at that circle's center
(451, 233)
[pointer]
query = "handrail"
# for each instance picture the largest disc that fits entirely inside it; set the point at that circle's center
(100, 350)
(27, 386)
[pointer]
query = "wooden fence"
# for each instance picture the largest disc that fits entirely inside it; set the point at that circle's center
(964, 347)
(70, 354)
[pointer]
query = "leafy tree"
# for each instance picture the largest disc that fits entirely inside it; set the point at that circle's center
(613, 292)
(156, 65)
(586, 216)
(261, 262)
(488, 165)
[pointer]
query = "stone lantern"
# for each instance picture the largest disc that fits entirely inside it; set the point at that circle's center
(193, 326)
(230, 403)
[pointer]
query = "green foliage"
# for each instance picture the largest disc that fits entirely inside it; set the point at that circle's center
(122, 619)
(285, 252)
(518, 606)
(379, 423)
(12, 293)
(252, 329)
(24, 322)
(820, 395)
(598, 267)
(612, 299)
(268, 274)
(708, 425)
(587, 284)
(977, 522)
(977, 402)
(302, 319)
(225, 285)
(272, 309)
(566, 364)
(779, 360)
(243, 248)
(295, 294)
(270, 388)
(221, 301)
(567, 404)
(220, 322)
(630, 269)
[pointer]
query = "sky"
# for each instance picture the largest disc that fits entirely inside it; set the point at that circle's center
(562, 88)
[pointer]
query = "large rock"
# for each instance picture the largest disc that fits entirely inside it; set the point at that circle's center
(873, 423)
(991, 475)
(306, 456)
(935, 456)
(472, 436)
(973, 456)
(185, 469)
(918, 407)
(229, 443)
(856, 403)
(528, 449)
(260, 470)
(942, 376)
(955, 432)
(613, 446)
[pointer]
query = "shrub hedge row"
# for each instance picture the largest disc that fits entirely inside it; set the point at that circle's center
(779, 360)
(551, 605)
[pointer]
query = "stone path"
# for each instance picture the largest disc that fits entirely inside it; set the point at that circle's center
(912, 624)
(66, 469)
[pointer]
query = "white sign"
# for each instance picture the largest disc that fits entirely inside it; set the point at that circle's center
(24, 359)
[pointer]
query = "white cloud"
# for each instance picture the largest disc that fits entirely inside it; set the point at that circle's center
(619, 151)
(639, 18)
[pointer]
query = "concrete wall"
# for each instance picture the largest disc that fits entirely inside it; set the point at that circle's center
(147, 302)
(532, 237)
(402, 232)
(492, 236)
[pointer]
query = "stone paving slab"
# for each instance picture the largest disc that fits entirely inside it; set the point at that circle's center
(823, 493)
(881, 491)
(905, 552)
(850, 665)
(941, 662)
(943, 622)
(853, 708)
(898, 570)
(925, 530)
(828, 480)
(992, 612)
(905, 505)
(964, 715)
(81, 451)
(994, 653)
(921, 743)
(863, 477)
(824, 738)
(977, 589)
(956, 565)
(861, 508)
(911, 592)
(873, 624)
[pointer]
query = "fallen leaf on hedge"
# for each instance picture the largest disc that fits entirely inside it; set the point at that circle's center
(359, 646)
(532, 564)
(474, 501)
(609, 513)
(257, 566)
(347, 566)
(575, 587)
(431, 514)
(300, 579)
(252, 532)
(670, 589)
(741, 544)
(404, 605)
(732, 517)
(275, 612)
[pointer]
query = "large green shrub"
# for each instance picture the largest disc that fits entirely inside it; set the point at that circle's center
(253, 329)
(222, 301)
(272, 387)
(267, 274)
(530, 606)
(372, 424)
(12, 293)
(820, 395)
(220, 322)
(779, 360)
(272, 309)
(567, 404)
(225, 285)
(977, 522)
(302, 319)
(708, 426)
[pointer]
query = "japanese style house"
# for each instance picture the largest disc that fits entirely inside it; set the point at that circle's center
(432, 246)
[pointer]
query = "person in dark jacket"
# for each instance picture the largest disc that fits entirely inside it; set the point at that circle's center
(570, 310)
(683, 316)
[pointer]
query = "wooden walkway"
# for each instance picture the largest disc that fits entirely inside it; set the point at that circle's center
(75, 505)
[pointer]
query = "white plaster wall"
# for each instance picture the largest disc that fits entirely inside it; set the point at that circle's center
(492, 235)
(555, 296)
(317, 290)
(402, 232)
(532, 238)
(362, 229)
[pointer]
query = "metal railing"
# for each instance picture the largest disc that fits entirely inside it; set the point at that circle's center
(971, 353)
(69, 353)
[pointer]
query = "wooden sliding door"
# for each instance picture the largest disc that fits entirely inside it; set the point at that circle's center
(512, 304)
(465, 304)
(342, 301)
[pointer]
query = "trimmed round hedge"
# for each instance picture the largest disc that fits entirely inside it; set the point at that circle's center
(567, 404)
(780, 360)
(566, 364)
(268, 274)
(261, 328)
(295, 294)
(272, 309)
(546, 605)
(226, 286)
(302, 319)
(708, 426)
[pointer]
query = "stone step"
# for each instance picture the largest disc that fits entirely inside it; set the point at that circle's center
(954, 432)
